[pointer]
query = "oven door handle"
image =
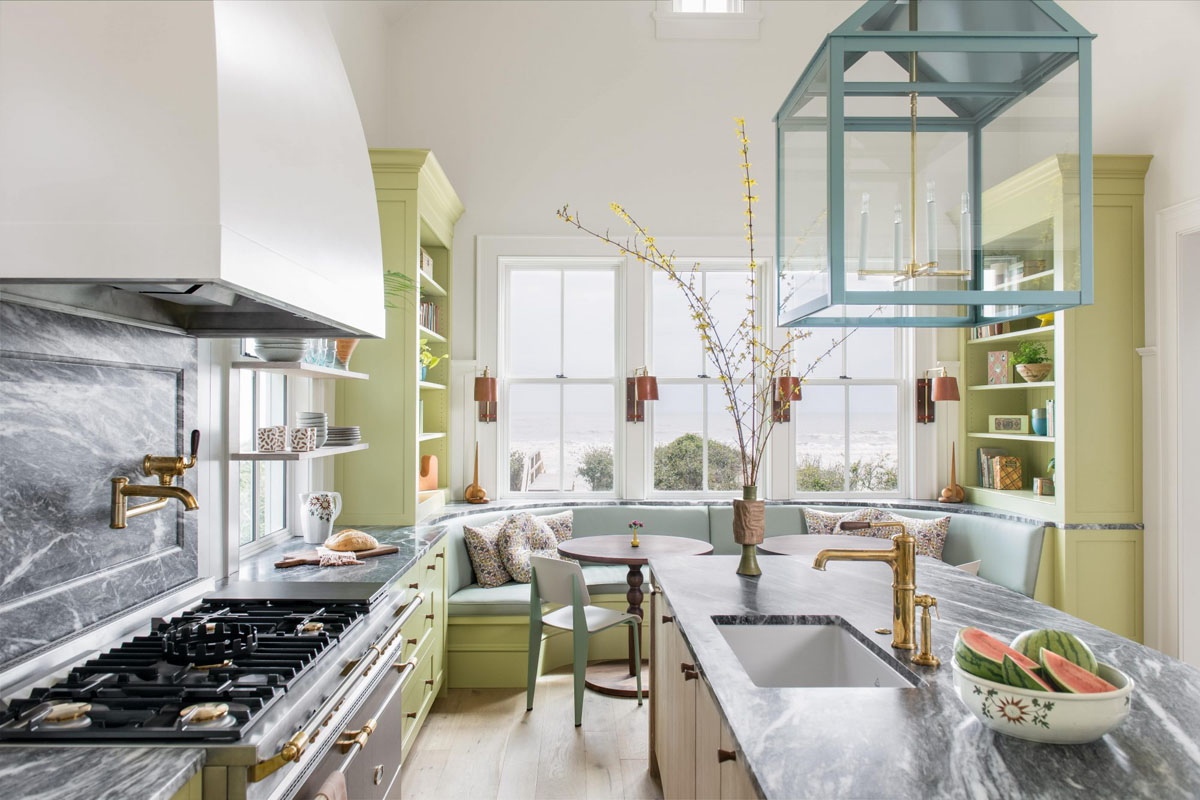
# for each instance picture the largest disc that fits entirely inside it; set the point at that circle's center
(294, 748)
(353, 742)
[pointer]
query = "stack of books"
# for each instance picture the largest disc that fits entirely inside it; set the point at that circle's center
(986, 331)
(429, 315)
(999, 470)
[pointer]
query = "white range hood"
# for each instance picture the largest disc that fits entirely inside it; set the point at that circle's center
(196, 164)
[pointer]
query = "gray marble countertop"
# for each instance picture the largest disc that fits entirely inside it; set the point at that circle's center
(413, 542)
(96, 773)
(922, 742)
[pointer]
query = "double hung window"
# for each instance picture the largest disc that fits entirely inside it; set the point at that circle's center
(262, 485)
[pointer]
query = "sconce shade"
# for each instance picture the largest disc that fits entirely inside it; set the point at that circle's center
(789, 388)
(647, 387)
(945, 389)
(485, 390)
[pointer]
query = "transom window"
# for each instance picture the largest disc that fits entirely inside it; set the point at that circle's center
(560, 373)
(847, 426)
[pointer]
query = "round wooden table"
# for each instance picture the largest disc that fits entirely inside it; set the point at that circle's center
(809, 545)
(619, 677)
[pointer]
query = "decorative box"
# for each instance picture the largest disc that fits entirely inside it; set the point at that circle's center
(1043, 487)
(999, 367)
(1008, 423)
(1008, 472)
(273, 439)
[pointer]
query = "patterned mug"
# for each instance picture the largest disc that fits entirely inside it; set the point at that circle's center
(318, 510)
(273, 439)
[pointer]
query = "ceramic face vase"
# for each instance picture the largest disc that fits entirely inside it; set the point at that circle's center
(318, 510)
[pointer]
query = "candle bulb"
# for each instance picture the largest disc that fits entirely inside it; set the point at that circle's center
(931, 220)
(964, 232)
(862, 234)
(898, 239)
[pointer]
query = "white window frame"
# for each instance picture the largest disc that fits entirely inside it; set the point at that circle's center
(506, 266)
(901, 380)
(672, 24)
(705, 265)
(289, 476)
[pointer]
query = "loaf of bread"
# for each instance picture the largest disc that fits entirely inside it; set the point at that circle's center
(350, 539)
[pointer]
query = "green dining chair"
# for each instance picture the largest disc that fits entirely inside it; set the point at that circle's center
(562, 582)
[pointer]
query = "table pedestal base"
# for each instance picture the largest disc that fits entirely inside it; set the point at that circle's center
(613, 678)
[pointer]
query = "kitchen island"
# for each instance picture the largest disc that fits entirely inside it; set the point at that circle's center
(920, 741)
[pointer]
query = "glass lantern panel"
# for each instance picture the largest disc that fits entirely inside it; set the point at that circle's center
(964, 15)
(802, 202)
(891, 316)
(1031, 225)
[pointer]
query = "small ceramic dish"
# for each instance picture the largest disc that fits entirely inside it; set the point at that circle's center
(1053, 717)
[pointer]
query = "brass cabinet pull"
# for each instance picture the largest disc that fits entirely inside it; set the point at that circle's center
(726, 755)
(667, 620)
(411, 715)
(684, 666)
(414, 586)
(440, 555)
(690, 675)
(359, 737)
(410, 641)
(431, 566)
(418, 599)
(429, 616)
(429, 683)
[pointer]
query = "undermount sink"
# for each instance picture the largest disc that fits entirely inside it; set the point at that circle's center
(804, 652)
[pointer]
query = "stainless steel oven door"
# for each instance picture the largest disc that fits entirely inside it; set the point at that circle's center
(369, 762)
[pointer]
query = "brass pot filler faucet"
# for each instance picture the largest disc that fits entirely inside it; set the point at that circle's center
(167, 468)
(902, 557)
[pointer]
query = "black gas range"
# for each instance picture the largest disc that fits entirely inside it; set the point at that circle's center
(206, 674)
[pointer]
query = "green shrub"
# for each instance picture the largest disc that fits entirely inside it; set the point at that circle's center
(516, 469)
(866, 475)
(679, 466)
(597, 468)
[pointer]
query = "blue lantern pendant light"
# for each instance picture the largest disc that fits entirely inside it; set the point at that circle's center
(935, 168)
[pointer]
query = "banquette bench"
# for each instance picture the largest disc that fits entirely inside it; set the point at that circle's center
(488, 633)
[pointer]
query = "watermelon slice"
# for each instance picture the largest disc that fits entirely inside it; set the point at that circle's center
(1071, 677)
(1067, 645)
(982, 655)
(1021, 677)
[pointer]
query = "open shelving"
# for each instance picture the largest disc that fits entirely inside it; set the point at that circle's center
(300, 369)
(1011, 386)
(298, 455)
(1044, 332)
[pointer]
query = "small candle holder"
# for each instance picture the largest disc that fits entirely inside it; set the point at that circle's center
(635, 526)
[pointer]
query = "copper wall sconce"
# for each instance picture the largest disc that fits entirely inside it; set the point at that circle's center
(485, 395)
(639, 389)
(787, 391)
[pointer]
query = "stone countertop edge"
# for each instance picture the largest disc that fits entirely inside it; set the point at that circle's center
(412, 541)
(97, 772)
(920, 742)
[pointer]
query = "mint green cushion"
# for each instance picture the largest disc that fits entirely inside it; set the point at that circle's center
(512, 599)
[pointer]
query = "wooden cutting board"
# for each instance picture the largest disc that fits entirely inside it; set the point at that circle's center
(310, 556)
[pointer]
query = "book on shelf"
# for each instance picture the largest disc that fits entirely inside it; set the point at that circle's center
(429, 315)
(985, 456)
(1050, 418)
(1006, 472)
(999, 367)
(987, 331)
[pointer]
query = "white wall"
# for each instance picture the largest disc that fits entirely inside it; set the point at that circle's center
(360, 29)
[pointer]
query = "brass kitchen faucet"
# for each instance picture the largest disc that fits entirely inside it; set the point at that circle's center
(167, 468)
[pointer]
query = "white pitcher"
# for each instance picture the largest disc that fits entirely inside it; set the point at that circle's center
(318, 510)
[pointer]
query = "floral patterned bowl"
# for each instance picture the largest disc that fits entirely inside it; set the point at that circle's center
(1054, 717)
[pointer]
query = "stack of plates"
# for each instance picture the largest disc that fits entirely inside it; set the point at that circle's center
(344, 435)
(315, 419)
(279, 349)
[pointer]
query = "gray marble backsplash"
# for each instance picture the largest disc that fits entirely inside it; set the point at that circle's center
(82, 401)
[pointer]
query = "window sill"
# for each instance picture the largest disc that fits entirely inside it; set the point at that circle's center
(681, 25)
(265, 543)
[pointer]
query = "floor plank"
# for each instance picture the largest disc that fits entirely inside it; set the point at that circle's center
(481, 743)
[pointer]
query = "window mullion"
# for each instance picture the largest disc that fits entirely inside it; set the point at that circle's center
(846, 439)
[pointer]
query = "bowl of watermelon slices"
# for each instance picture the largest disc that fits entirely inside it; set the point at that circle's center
(1045, 686)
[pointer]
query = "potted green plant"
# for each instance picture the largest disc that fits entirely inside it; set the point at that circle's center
(1033, 361)
(427, 359)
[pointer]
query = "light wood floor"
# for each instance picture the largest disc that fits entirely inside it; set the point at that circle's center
(480, 743)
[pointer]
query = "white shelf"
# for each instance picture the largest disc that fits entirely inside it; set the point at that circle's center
(288, 455)
(433, 336)
(1046, 331)
(1022, 494)
(299, 369)
(997, 386)
(1016, 437)
(430, 385)
(430, 286)
(425, 437)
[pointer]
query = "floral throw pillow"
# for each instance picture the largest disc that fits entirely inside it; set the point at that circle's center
(929, 533)
(825, 523)
(485, 554)
(521, 536)
(560, 524)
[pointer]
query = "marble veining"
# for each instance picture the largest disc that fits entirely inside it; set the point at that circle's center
(921, 742)
(81, 401)
(96, 773)
(413, 542)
